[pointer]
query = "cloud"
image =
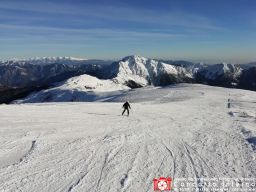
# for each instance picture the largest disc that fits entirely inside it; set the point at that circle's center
(39, 33)
(115, 13)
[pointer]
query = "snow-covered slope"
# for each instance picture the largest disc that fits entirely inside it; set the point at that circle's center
(80, 88)
(84, 147)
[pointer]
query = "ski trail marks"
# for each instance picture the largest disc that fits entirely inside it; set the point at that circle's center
(30, 151)
(76, 183)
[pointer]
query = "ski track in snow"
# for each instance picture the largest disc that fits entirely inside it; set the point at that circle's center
(29, 151)
(90, 147)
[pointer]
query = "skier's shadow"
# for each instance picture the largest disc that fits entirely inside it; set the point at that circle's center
(97, 114)
(103, 114)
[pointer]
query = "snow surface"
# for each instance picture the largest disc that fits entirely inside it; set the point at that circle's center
(179, 131)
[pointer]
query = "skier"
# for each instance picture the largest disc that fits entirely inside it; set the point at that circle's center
(229, 103)
(126, 106)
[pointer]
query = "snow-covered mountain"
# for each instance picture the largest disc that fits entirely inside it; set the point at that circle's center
(223, 74)
(136, 71)
(189, 66)
(131, 71)
(45, 61)
(80, 88)
(24, 73)
(248, 79)
(214, 71)
(19, 77)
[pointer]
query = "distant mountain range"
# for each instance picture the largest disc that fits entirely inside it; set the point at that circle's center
(18, 78)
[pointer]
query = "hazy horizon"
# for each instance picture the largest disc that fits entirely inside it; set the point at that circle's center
(117, 59)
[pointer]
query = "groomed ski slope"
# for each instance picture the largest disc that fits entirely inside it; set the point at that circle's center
(184, 131)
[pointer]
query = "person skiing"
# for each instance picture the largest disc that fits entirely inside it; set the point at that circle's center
(229, 103)
(126, 106)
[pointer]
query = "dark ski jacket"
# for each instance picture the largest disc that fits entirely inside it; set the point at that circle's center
(126, 105)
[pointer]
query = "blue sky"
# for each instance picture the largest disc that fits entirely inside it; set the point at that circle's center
(199, 30)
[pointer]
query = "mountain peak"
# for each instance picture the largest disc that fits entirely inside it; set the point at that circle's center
(135, 58)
